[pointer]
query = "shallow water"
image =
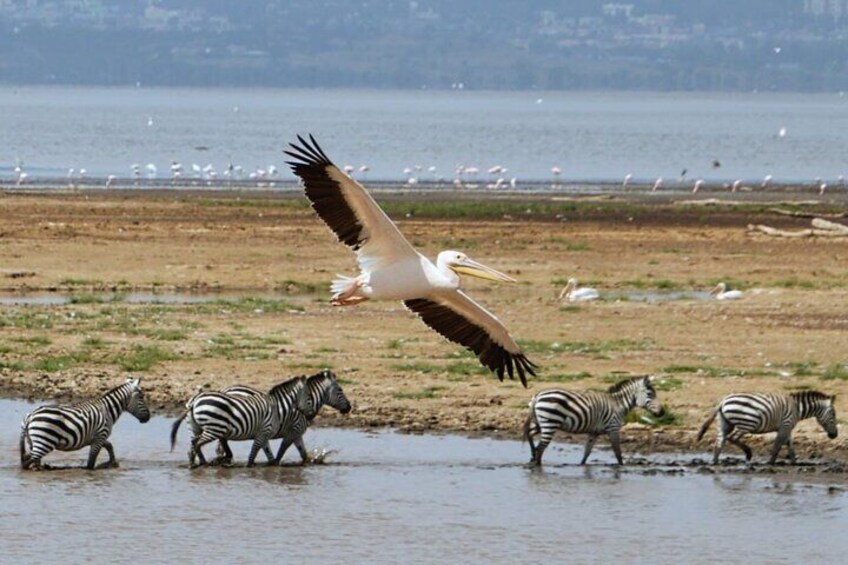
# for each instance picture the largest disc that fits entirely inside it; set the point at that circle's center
(388, 497)
(589, 135)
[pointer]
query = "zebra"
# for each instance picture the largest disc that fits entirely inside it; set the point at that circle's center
(760, 413)
(215, 415)
(72, 427)
(323, 388)
(591, 413)
(320, 389)
(292, 403)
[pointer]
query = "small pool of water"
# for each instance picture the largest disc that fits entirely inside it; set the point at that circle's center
(389, 497)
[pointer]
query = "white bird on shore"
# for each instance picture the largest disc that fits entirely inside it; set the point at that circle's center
(573, 294)
(110, 180)
(698, 184)
(151, 170)
(735, 186)
(766, 180)
(391, 269)
(627, 178)
(657, 184)
(822, 188)
(721, 293)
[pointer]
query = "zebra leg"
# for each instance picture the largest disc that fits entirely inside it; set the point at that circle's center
(112, 462)
(590, 443)
(93, 452)
(196, 444)
(301, 448)
(791, 449)
(284, 445)
(547, 436)
(737, 441)
(724, 428)
(223, 454)
(615, 439)
(260, 442)
(783, 436)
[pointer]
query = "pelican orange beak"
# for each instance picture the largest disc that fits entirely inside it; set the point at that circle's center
(475, 269)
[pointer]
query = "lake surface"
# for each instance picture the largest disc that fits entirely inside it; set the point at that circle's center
(589, 136)
(390, 498)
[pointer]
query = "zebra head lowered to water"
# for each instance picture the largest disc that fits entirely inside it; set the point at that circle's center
(589, 412)
(72, 427)
(760, 413)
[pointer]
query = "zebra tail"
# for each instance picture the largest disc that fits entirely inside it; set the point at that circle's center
(174, 427)
(25, 439)
(705, 426)
(531, 420)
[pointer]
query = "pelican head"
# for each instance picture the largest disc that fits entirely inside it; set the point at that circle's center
(460, 263)
(719, 288)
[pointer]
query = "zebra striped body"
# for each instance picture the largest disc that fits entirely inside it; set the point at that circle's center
(760, 413)
(214, 415)
(299, 400)
(592, 413)
(292, 403)
(68, 428)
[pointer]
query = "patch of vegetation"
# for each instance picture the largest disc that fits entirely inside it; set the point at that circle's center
(78, 282)
(801, 368)
(425, 393)
(597, 347)
(838, 371)
(13, 365)
(28, 319)
(36, 341)
(565, 377)
(708, 371)
(794, 282)
(94, 343)
(578, 246)
(53, 363)
(167, 334)
(143, 357)
(425, 368)
(249, 304)
(667, 384)
(291, 286)
(668, 418)
(466, 368)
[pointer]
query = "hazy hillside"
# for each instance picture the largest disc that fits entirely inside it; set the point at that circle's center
(495, 44)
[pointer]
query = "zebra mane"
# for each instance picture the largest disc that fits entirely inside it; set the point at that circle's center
(288, 387)
(810, 395)
(622, 384)
(323, 378)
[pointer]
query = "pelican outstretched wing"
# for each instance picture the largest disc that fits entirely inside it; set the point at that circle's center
(461, 320)
(347, 208)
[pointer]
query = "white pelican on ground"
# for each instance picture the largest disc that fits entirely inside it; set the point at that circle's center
(574, 294)
(721, 293)
(391, 269)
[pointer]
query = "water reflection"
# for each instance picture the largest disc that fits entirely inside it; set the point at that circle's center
(434, 497)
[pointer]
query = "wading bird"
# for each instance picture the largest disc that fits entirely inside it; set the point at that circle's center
(391, 269)
(721, 293)
(573, 294)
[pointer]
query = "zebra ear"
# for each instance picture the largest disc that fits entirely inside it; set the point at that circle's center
(650, 379)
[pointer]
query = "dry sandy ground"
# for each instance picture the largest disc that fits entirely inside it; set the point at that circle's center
(788, 333)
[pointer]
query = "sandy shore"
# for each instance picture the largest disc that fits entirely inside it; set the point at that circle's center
(259, 264)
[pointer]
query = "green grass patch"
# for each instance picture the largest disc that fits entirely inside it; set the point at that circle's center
(425, 368)
(53, 363)
(143, 357)
(425, 393)
(565, 377)
(668, 418)
(466, 368)
(35, 341)
(167, 334)
(78, 282)
(291, 286)
(667, 383)
(838, 371)
(595, 347)
(94, 343)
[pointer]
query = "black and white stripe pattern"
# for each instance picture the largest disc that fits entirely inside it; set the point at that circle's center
(68, 428)
(323, 389)
(299, 400)
(215, 415)
(294, 408)
(592, 413)
(760, 413)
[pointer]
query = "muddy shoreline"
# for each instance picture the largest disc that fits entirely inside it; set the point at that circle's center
(788, 334)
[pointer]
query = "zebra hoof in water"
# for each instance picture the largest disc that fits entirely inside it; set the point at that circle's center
(109, 465)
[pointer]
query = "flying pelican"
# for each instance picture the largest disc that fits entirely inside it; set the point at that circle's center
(721, 293)
(574, 294)
(391, 269)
